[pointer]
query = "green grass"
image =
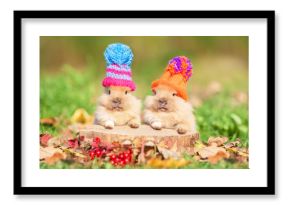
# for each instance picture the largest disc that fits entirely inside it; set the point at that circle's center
(64, 92)
(193, 165)
(218, 117)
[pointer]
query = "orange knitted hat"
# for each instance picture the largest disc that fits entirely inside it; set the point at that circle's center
(176, 75)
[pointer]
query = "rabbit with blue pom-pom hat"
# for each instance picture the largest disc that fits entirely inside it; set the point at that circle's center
(117, 106)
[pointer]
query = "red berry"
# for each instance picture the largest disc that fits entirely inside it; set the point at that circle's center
(122, 163)
(117, 159)
(121, 156)
(97, 140)
(126, 155)
(115, 162)
(127, 160)
(112, 157)
(98, 152)
(92, 154)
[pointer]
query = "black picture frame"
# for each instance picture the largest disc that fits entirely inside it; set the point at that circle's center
(268, 190)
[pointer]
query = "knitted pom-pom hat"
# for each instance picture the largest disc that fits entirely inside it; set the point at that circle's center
(118, 72)
(176, 75)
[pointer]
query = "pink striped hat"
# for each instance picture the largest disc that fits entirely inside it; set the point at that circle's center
(118, 72)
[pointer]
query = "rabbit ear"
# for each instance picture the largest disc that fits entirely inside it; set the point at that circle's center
(118, 53)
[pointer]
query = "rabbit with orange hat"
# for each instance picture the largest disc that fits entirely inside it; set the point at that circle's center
(117, 105)
(169, 106)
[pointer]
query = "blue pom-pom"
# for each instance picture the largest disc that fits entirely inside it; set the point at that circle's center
(118, 53)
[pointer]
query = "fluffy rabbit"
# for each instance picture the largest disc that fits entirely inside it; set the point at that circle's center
(169, 108)
(117, 106)
(166, 110)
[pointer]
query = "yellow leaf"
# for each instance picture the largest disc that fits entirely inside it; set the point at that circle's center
(81, 116)
(167, 164)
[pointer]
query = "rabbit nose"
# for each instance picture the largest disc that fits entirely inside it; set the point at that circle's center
(116, 100)
(162, 101)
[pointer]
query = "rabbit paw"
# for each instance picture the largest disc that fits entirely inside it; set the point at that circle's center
(134, 124)
(156, 125)
(181, 130)
(109, 124)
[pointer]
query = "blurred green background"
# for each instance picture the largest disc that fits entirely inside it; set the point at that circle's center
(73, 67)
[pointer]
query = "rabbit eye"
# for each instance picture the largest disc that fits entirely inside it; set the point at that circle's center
(174, 94)
(109, 92)
(154, 92)
(126, 92)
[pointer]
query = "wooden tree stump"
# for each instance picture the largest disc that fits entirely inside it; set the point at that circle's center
(168, 142)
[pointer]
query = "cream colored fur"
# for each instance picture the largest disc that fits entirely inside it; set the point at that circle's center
(176, 114)
(127, 112)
